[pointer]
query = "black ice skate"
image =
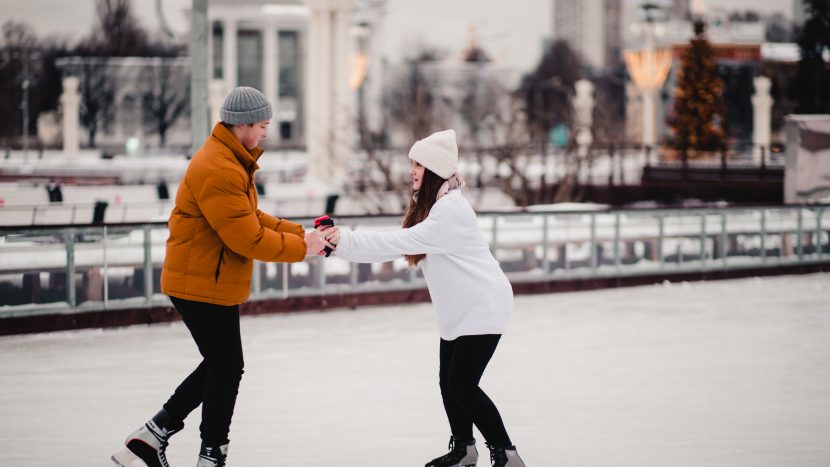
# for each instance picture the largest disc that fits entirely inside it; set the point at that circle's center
(212, 456)
(145, 447)
(505, 456)
(460, 455)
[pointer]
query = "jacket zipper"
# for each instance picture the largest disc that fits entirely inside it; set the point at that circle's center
(222, 251)
(219, 264)
(251, 181)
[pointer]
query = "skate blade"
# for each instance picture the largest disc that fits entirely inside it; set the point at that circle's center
(126, 458)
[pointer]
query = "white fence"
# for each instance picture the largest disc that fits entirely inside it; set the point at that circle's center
(48, 270)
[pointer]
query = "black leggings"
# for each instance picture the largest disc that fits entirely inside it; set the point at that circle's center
(215, 382)
(463, 361)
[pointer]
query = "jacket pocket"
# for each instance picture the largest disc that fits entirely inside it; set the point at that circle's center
(219, 263)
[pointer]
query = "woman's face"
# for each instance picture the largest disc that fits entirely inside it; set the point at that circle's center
(417, 173)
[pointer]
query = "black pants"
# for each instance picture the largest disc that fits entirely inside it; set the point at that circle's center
(463, 361)
(215, 382)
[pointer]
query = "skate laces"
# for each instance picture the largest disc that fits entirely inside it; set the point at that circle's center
(163, 455)
(163, 439)
(498, 457)
(455, 452)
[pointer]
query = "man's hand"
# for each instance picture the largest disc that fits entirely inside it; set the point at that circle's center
(315, 242)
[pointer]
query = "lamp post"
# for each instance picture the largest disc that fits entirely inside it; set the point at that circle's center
(357, 75)
(25, 79)
(24, 105)
(199, 118)
(649, 68)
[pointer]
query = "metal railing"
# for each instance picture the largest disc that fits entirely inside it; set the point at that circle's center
(67, 268)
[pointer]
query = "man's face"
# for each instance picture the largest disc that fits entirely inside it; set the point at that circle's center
(253, 134)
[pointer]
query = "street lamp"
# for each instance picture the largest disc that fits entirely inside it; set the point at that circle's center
(649, 68)
(24, 105)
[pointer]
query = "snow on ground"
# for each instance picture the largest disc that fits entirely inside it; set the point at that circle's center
(731, 373)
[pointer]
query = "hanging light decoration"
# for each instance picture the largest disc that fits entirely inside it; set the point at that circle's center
(648, 69)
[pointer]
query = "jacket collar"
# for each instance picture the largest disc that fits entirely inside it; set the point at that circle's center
(246, 157)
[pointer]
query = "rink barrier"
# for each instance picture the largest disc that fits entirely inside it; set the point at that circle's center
(65, 277)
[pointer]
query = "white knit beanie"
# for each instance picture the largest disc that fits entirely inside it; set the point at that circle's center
(437, 152)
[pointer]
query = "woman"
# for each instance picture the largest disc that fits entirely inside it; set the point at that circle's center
(472, 297)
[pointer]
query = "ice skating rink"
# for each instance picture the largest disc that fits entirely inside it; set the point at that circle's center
(729, 373)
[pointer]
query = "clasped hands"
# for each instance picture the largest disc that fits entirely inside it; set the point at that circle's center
(318, 239)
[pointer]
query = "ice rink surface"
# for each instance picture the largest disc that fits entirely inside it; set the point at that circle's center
(730, 373)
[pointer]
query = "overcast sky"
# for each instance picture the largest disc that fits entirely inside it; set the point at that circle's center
(512, 31)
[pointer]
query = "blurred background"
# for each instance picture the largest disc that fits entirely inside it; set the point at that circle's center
(600, 139)
(605, 144)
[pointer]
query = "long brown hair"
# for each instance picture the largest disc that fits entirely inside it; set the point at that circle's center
(419, 205)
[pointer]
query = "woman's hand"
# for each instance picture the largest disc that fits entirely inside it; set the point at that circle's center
(332, 235)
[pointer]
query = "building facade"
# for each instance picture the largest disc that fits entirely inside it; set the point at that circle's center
(592, 28)
(261, 43)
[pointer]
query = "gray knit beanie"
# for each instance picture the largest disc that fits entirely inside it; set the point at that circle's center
(245, 105)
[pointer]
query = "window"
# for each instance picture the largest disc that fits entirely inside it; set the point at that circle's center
(218, 51)
(249, 54)
(289, 64)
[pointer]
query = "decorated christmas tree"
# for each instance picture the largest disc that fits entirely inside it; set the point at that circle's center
(697, 119)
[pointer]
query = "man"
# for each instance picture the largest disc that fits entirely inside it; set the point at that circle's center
(216, 233)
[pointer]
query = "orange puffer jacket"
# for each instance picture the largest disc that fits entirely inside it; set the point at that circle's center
(216, 230)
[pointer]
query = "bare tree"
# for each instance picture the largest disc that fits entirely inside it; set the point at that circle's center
(165, 96)
(609, 117)
(548, 89)
(17, 49)
(118, 33)
(509, 140)
(409, 107)
(48, 85)
(409, 102)
(480, 106)
(97, 90)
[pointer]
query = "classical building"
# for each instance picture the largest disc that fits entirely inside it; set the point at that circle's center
(261, 44)
(308, 57)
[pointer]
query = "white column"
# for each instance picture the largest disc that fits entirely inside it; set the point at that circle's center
(583, 104)
(649, 93)
(761, 117)
(374, 80)
(199, 114)
(320, 110)
(325, 109)
(312, 86)
(229, 66)
(309, 74)
(327, 128)
(649, 119)
(70, 104)
(343, 117)
(269, 84)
